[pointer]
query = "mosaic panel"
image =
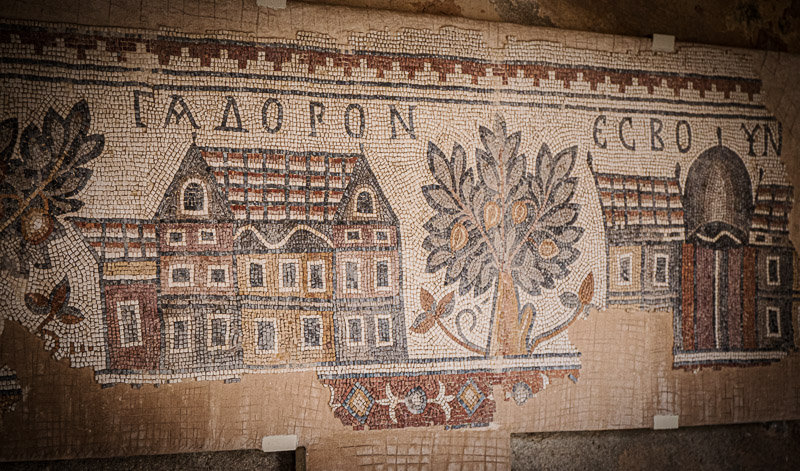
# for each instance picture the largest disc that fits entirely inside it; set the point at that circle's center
(417, 218)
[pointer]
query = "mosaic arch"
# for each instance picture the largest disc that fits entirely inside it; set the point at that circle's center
(415, 219)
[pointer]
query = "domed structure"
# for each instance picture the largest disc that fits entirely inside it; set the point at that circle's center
(718, 199)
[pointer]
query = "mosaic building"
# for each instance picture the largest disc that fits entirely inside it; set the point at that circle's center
(254, 259)
(425, 227)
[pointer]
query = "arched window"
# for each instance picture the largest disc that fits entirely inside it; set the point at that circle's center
(364, 203)
(193, 198)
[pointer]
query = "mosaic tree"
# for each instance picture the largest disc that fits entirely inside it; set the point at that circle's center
(35, 188)
(503, 227)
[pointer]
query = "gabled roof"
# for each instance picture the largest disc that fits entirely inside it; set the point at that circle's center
(649, 206)
(193, 166)
(279, 185)
(770, 223)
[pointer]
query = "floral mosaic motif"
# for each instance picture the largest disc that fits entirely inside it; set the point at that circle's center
(54, 307)
(41, 183)
(501, 226)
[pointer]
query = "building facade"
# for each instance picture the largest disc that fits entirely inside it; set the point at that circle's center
(253, 260)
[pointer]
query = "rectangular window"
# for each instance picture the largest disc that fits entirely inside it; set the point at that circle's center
(217, 276)
(219, 333)
(180, 335)
(773, 322)
(176, 238)
(660, 273)
(256, 275)
(355, 330)
(266, 336)
(351, 275)
(383, 325)
(289, 275)
(773, 271)
(208, 236)
(312, 332)
(382, 274)
(625, 262)
(181, 275)
(353, 235)
(382, 236)
(316, 276)
(130, 323)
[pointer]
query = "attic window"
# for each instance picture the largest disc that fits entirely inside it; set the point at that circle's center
(364, 203)
(193, 198)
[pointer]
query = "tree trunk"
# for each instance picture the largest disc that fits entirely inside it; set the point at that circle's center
(508, 337)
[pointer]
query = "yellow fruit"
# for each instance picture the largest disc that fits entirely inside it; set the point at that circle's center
(519, 212)
(458, 237)
(36, 225)
(491, 215)
(548, 249)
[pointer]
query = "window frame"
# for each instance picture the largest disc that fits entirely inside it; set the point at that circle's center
(378, 341)
(777, 312)
(777, 281)
(357, 289)
(120, 325)
(216, 284)
(171, 334)
(213, 232)
(181, 204)
(182, 232)
(629, 257)
(210, 331)
(356, 231)
(381, 242)
(256, 323)
(656, 257)
(180, 284)
(371, 193)
(309, 264)
(388, 261)
(262, 265)
(348, 331)
(303, 345)
(297, 275)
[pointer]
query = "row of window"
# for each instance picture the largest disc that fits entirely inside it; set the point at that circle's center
(180, 339)
(661, 272)
(355, 235)
(130, 328)
(289, 276)
(205, 236)
(182, 275)
(356, 332)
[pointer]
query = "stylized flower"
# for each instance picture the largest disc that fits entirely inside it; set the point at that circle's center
(42, 184)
